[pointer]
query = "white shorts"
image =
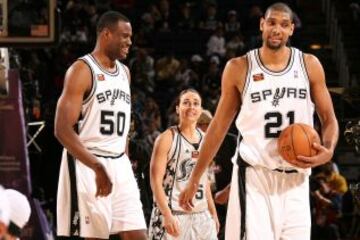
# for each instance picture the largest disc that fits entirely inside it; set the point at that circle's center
(277, 206)
(197, 226)
(80, 213)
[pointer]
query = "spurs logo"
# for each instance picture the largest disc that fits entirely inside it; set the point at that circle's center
(185, 168)
(278, 96)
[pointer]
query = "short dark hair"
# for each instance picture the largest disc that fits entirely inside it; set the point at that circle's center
(109, 19)
(281, 7)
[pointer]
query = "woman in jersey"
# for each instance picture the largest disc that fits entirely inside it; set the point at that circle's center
(174, 155)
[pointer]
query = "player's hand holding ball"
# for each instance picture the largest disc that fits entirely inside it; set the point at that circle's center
(300, 145)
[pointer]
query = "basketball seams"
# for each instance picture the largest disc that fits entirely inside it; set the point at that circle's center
(307, 137)
(292, 141)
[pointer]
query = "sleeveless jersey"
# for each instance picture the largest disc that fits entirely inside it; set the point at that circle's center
(270, 102)
(181, 161)
(105, 113)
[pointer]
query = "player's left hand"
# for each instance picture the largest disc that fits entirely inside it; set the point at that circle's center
(186, 196)
(323, 155)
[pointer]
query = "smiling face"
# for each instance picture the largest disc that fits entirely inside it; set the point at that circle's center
(118, 40)
(276, 29)
(189, 108)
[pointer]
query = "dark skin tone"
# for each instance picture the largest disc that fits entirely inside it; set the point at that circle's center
(276, 29)
(112, 43)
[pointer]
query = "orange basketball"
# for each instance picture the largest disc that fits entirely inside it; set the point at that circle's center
(297, 139)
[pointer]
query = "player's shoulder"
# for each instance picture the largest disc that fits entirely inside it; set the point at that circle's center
(237, 62)
(310, 59)
(80, 67)
(166, 137)
(126, 69)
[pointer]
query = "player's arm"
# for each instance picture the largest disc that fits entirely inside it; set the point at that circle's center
(127, 70)
(77, 84)
(211, 206)
(233, 79)
(157, 172)
(324, 108)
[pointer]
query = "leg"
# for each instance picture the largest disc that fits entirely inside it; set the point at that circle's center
(127, 214)
(134, 235)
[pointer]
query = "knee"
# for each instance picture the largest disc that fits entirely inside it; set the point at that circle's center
(134, 235)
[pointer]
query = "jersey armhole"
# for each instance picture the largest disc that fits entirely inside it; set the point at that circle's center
(127, 71)
(172, 130)
(90, 94)
(247, 76)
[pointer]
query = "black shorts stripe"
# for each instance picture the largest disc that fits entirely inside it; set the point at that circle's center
(74, 209)
(242, 165)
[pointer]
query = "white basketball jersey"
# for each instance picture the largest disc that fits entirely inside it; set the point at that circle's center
(270, 102)
(181, 161)
(105, 114)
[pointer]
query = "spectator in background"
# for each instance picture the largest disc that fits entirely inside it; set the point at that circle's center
(142, 69)
(232, 25)
(251, 26)
(164, 24)
(236, 44)
(210, 22)
(327, 197)
(19, 213)
(4, 212)
(166, 68)
(185, 77)
(216, 43)
(186, 21)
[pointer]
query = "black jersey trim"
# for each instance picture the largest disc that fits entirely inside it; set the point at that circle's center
(247, 76)
(178, 142)
(303, 66)
(116, 73)
(126, 72)
(74, 208)
(93, 82)
(275, 73)
(109, 156)
(173, 129)
(192, 144)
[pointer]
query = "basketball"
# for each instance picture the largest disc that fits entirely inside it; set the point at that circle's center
(297, 139)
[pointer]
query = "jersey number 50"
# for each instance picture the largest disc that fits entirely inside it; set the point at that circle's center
(109, 121)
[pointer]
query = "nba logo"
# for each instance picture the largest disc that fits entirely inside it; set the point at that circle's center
(100, 77)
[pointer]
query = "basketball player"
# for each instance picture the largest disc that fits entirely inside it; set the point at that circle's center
(97, 193)
(174, 155)
(272, 86)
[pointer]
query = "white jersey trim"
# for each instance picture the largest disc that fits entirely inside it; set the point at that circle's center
(104, 70)
(275, 73)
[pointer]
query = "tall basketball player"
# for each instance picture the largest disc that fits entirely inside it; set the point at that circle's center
(97, 192)
(272, 86)
(174, 156)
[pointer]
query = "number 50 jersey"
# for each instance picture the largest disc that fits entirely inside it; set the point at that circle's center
(105, 114)
(270, 102)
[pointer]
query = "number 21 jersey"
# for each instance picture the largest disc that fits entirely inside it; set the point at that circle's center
(270, 102)
(105, 114)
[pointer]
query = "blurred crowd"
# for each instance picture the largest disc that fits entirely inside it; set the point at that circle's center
(176, 44)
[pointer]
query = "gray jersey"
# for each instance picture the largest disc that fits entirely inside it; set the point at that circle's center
(181, 161)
